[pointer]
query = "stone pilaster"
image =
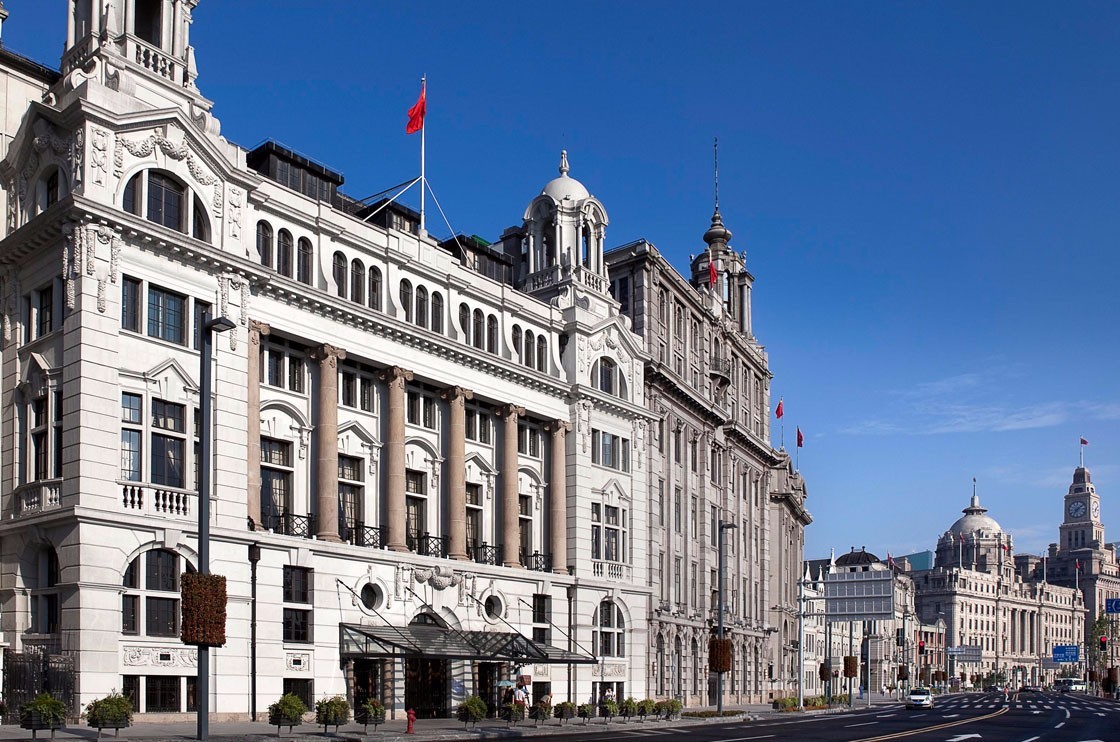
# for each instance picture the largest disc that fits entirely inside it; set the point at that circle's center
(395, 379)
(326, 441)
(511, 533)
(257, 330)
(457, 471)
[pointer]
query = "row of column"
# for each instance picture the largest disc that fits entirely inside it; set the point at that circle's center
(396, 379)
(1024, 631)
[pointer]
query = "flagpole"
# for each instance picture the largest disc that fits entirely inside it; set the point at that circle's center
(423, 135)
(1082, 447)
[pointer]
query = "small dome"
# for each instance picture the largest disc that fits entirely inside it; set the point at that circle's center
(974, 520)
(565, 187)
(856, 558)
(717, 232)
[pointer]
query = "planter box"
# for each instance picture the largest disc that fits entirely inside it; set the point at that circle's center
(116, 725)
(365, 719)
(34, 721)
(276, 720)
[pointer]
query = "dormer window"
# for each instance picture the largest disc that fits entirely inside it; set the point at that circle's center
(162, 199)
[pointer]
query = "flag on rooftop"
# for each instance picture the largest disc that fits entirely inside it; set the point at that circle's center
(416, 113)
(781, 409)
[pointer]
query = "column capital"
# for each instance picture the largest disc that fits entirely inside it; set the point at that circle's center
(395, 376)
(509, 410)
(453, 393)
(259, 328)
(559, 427)
(328, 355)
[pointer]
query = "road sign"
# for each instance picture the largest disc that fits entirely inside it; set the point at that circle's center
(859, 596)
(1112, 605)
(1067, 653)
(966, 653)
(1049, 664)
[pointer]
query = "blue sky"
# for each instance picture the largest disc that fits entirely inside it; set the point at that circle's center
(927, 194)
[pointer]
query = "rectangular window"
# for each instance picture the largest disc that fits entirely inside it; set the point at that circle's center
(421, 410)
(677, 509)
(300, 688)
(610, 450)
(163, 694)
(596, 531)
(167, 461)
(162, 616)
(297, 585)
(349, 389)
(45, 311)
(297, 625)
(365, 395)
(130, 608)
(166, 315)
(201, 317)
(715, 526)
(677, 580)
(694, 517)
(661, 502)
(130, 305)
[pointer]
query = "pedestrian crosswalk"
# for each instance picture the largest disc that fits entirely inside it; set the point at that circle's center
(1028, 703)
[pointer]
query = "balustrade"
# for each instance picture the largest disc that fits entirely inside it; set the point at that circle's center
(162, 502)
(611, 570)
(537, 561)
(426, 544)
(487, 554)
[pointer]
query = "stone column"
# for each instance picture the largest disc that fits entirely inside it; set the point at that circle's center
(456, 397)
(257, 330)
(558, 496)
(511, 536)
(326, 441)
(395, 379)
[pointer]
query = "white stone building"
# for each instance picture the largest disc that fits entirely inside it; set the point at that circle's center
(433, 463)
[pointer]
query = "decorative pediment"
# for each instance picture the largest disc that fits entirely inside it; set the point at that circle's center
(614, 491)
(171, 381)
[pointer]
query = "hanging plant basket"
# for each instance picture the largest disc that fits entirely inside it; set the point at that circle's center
(204, 610)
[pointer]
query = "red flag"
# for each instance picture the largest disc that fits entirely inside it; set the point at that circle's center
(781, 410)
(1077, 565)
(416, 113)
(962, 538)
(890, 560)
(800, 439)
(1005, 547)
(1084, 442)
(712, 275)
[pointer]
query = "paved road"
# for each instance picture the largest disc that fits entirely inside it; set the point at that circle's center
(958, 718)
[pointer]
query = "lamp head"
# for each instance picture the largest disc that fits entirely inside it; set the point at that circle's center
(220, 324)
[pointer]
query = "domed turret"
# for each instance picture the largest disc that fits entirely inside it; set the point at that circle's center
(975, 522)
(565, 187)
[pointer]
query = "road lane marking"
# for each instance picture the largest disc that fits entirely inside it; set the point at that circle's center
(1032, 739)
(744, 739)
(864, 724)
(936, 727)
(1060, 725)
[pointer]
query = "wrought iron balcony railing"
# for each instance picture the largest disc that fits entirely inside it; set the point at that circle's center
(537, 561)
(485, 554)
(426, 544)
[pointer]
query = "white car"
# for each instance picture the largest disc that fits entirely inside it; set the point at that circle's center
(919, 698)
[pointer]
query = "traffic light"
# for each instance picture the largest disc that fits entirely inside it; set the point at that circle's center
(922, 646)
(1104, 644)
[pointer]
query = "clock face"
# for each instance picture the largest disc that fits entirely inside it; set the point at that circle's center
(1096, 510)
(1077, 508)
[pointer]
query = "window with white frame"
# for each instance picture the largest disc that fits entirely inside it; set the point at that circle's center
(161, 198)
(356, 387)
(478, 424)
(44, 595)
(474, 517)
(415, 508)
(610, 450)
(421, 409)
(40, 315)
(609, 533)
(529, 440)
(282, 364)
(150, 601)
(525, 523)
(351, 493)
(165, 315)
(276, 480)
(297, 605)
(609, 634)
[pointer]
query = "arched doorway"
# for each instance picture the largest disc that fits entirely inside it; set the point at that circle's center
(427, 681)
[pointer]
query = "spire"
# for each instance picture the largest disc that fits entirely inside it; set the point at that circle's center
(717, 232)
(564, 162)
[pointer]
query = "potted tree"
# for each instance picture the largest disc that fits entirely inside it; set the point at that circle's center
(515, 712)
(370, 711)
(287, 712)
(472, 710)
(541, 712)
(645, 708)
(42, 712)
(628, 709)
(608, 709)
(332, 712)
(564, 710)
(114, 711)
(586, 711)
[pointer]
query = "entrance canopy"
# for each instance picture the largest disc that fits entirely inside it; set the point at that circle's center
(437, 642)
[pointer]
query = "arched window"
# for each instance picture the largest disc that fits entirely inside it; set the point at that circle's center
(605, 376)
(492, 334)
(50, 188)
(165, 201)
(542, 354)
(304, 258)
(609, 635)
(529, 359)
(284, 253)
(264, 243)
(146, 21)
(421, 306)
(375, 288)
(357, 282)
(517, 342)
(339, 271)
(465, 322)
(150, 604)
(406, 300)
(478, 331)
(200, 223)
(437, 312)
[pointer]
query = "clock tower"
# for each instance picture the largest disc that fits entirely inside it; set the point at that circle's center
(1081, 528)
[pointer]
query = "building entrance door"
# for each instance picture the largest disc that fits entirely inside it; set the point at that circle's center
(367, 680)
(426, 688)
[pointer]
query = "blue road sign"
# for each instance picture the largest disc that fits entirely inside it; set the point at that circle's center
(1067, 653)
(1112, 605)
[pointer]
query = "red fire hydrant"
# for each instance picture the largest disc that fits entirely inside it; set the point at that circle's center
(411, 721)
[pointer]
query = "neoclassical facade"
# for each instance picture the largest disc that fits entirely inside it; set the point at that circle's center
(1014, 619)
(436, 465)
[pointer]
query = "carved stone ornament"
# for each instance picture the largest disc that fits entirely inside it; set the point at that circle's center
(134, 656)
(235, 202)
(297, 661)
(99, 156)
(78, 157)
(180, 152)
(439, 577)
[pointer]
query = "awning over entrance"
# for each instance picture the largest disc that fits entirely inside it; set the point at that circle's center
(436, 642)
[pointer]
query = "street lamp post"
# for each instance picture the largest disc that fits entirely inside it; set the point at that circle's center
(723, 526)
(206, 332)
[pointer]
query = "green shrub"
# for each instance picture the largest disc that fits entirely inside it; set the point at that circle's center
(331, 712)
(111, 710)
(586, 711)
(628, 708)
(472, 710)
(50, 710)
(564, 710)
(608, 708)
(646, 707)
